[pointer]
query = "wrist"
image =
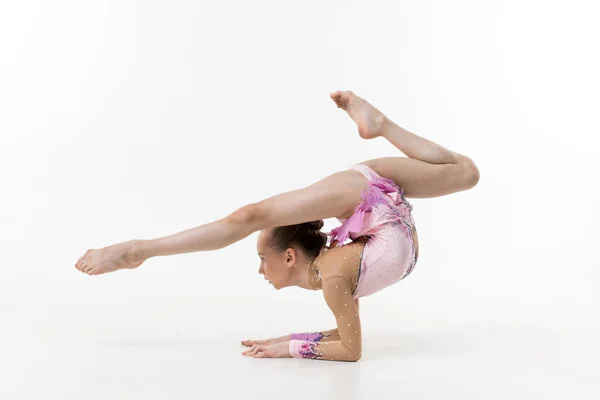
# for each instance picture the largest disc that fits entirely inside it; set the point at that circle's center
(294, 346)
(303, 349)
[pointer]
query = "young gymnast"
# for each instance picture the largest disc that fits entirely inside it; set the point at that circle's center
(368, 199)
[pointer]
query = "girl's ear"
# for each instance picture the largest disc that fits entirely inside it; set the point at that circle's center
(290, 255)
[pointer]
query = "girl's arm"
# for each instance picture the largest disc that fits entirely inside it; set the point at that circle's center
(337, 293)
(324, 336)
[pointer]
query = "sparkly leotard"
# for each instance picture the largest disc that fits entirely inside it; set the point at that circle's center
(390, 253)
(385, 217)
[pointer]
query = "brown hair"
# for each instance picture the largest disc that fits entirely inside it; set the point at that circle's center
(307, 236)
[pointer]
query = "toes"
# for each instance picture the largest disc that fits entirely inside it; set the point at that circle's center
(84, 256)
(80, 262)
(342, 98)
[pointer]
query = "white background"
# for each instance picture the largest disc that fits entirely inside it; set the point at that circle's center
(128, 120)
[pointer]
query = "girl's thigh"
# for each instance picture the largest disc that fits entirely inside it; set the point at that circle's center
(336, 195)
(420, 179)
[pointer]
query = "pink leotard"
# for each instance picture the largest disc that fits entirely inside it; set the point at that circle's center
(385, 217)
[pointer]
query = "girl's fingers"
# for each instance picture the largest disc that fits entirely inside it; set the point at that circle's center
(257, 350)
(253, 345)
(252, 342)
(252, 350)
(263, 354)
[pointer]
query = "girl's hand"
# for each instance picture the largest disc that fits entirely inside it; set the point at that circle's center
(250, 343)
(277, 350)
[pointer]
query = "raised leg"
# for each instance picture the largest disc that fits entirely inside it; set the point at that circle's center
(328, 198)
(333, 196)
(430, 169)
(417, 147)
(372, 123)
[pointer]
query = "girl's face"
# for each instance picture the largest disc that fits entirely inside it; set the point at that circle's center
(275, 267)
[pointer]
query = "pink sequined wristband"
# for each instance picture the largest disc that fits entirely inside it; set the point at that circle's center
(294, 346)
(303, 349)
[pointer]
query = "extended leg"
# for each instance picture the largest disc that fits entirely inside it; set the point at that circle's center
(328, 198)
(333, 196)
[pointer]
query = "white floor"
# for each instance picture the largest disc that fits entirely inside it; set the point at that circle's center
(188, 348)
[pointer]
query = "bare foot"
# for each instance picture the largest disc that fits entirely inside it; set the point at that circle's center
(109, 259)
(368, 119)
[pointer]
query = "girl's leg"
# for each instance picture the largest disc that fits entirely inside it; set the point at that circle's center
(333, 196)
(373, 123)
(430, 169)
(330, 197)
(417, 147)
(420, 179)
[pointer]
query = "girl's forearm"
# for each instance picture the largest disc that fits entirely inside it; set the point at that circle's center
(211, 236)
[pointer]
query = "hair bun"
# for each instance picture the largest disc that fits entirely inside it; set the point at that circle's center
(316, 225)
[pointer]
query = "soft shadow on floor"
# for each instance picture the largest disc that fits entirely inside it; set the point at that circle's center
(462, 338)
(391, 345)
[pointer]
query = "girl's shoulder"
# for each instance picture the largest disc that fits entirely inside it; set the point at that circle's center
(342, 262)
